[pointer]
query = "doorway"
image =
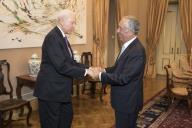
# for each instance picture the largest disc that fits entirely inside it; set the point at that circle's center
(171, 45)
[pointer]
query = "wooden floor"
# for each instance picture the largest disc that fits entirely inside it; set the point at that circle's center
(91, 113)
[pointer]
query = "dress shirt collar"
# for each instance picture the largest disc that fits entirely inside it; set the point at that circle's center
(61, 31)
(126, 44)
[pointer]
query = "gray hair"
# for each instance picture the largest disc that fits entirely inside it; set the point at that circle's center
(65, 14)
(132, 24)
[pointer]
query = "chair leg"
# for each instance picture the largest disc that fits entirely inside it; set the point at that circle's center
(189, 106)
(83, 88)
(101, 93)
(104, 89)
(92, 89)
(10, 117)
(29, 113)
(170, 100)
(1, 119)
(4, 123)
(77, 90)
(189, 100)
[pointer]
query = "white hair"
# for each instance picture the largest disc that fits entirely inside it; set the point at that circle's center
(132, 24)
(65, 14)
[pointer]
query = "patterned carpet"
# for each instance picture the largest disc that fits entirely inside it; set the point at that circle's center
(157, 114)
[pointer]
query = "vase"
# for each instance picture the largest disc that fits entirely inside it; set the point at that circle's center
(34, 65)
(77, 57)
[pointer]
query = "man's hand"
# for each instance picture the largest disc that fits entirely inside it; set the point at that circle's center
(94, 72)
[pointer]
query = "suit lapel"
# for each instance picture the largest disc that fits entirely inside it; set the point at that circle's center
(64, 41)
(127, 50)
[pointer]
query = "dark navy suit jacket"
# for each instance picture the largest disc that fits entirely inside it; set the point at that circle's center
(126, 79)
(57, 70)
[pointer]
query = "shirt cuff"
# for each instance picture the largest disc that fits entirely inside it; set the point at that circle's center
(85, 72)
(100, 76)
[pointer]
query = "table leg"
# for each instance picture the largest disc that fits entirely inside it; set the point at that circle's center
(77, 90)
(18, 89)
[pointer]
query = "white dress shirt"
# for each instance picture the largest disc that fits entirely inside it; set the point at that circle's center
(125, 45)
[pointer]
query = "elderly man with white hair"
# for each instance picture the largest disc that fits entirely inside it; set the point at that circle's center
(58, 68)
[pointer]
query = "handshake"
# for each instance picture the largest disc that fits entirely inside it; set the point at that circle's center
(94, 72)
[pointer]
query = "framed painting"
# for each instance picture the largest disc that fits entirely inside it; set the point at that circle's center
(24, 23)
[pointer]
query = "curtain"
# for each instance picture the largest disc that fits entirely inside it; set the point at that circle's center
(100, 30)
(122, 9)
(185, 9)
(157, 10)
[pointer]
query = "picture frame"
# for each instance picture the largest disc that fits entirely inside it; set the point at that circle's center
(25, 23)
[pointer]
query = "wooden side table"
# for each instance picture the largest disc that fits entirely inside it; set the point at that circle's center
(24, 80)
(27, 80)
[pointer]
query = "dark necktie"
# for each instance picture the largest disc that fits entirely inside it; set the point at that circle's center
(69, 47)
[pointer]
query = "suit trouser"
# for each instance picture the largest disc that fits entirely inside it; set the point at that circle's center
(125, 120)
(55, 114)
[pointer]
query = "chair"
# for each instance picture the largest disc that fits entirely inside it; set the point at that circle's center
(178, 87)
(185, 66)
(87, 59)
(8, 105)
